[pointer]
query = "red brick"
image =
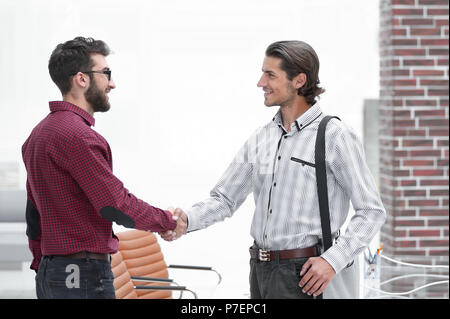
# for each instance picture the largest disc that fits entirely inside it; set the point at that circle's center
(439, 192)
(421, 103)
(440, 23)
(433, 212)
(439, 132)
(399, 173)
(438, 222)
(417, 21)
(442, 162)
(434, 122)
(434, 243)
(404, 123)
(417, 143)
(400, 72)
(410, 223)
(403, 2)
(433, 82)
(442, 143)
(434, 2)
(404, 42)
(409, 52)
(409, 82)
(405, 213)
(434, 182)
(398, 32)
(437, 92)
(425, 153)
(424, 233)
(418, 62)
(405, 243)
(430, 113)
(408, 183)
(423, 202)
(428, 172)
(414, 252)
(443, 62)
(434, 42)
(438, 253)
(438, 52)
(416, 133)
(414, 12)
(419, 32)
(437, 12)
(418, 162)
(428, 73)
(412, 193)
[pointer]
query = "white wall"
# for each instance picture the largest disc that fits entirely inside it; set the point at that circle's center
(186, 96)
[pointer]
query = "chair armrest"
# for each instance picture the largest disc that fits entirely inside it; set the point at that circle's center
(138, 278)
(196, 268)
(179, 288)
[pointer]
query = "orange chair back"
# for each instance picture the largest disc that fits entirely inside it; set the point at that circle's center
(143, 257)
(122, 279)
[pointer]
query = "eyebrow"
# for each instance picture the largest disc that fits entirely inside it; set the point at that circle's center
(269, 72)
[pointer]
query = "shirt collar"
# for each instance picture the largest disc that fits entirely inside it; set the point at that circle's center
(56, 106)
(303, 120)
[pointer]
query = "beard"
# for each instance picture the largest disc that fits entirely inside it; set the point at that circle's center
(96, 98)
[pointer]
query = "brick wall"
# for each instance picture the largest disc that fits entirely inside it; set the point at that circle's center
(414, 133)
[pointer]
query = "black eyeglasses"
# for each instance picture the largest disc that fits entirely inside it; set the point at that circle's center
(107, 72)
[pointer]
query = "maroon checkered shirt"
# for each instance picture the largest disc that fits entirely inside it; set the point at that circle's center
(73, 195)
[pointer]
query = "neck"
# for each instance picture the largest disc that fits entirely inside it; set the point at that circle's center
(78, 100)
(289, 113)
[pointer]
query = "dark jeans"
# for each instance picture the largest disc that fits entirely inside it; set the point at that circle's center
(65, 278)
(277, 279)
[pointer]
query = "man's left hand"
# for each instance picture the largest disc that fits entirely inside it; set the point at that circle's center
(317, 274)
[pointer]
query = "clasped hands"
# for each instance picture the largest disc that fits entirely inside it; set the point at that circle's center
(182, 223)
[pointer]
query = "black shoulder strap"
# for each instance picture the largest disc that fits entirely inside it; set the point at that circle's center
(321, 177)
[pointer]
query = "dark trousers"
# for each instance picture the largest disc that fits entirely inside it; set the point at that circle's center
(277, 279)
(65, 278)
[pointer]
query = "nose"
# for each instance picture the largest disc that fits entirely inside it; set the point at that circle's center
(111, 84)
(261, 82)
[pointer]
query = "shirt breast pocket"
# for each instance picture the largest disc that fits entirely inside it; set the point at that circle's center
(302, 162)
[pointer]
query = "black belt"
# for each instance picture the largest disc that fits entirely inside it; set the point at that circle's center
(86, 255)
(269, 255)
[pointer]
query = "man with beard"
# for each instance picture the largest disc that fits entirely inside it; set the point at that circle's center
(73, 195)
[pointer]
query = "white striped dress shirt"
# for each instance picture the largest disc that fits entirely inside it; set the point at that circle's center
(278, 167)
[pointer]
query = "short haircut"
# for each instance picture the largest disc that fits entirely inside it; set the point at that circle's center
(71, 57)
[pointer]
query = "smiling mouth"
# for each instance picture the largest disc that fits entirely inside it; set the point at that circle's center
(267, 93)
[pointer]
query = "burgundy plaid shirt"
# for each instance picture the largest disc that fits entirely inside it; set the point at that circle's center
(73, 196)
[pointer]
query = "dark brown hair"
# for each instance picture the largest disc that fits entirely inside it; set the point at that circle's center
(299, 57)
(71, 57)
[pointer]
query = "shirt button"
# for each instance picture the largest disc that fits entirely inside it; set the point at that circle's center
(265, 236)
(274, 184)
(270, 211)
(279, 157)
(285, 136)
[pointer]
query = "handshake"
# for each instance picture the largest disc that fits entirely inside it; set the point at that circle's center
(182, 223)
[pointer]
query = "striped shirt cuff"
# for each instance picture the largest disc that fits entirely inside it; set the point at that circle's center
(336, 257)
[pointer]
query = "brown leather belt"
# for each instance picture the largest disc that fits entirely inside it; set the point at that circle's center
(269, 255)
(85, 255)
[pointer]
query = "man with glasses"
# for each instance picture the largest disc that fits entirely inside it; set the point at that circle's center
(73, 195)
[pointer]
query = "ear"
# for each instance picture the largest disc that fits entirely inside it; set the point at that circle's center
(80, 80)
(299, 80)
